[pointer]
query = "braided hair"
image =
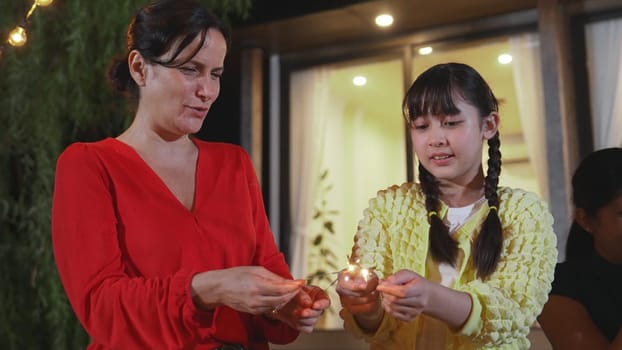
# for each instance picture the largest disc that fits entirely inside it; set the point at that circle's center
(433, 93)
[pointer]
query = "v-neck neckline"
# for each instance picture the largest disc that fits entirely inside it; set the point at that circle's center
(474, 220)
(160, 181)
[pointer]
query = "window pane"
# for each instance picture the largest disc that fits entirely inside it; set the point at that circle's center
(360, 150)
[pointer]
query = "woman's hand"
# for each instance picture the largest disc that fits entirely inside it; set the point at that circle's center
(358, 295)
(250, 289)
(405, 295)
(304, 310)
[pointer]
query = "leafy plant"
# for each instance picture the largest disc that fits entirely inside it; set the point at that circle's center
(321, 255)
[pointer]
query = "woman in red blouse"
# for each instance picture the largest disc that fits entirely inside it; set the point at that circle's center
(161, 240)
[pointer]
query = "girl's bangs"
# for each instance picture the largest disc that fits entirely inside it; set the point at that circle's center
(433, 99)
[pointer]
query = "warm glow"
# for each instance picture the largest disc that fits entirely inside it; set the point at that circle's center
(365, 274)
(359, 80)
(425, 50)
(504, 58)
(356, 269)
(384, 20)
(44, 2)
(18, 36)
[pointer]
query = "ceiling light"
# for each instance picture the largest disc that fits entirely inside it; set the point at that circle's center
(425, 50)
(504, 58)
(359, 80)
(384, 20)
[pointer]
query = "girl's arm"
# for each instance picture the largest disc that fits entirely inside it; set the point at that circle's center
(407, 294)
(449, 305)
(568, 326)
(374, 247)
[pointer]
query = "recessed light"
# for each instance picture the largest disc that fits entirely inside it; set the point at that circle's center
(504, 58)
(384, 20)
(359, 80)
(425, 50)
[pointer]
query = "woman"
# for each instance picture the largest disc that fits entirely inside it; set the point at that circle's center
(161, 240)
(584, 310)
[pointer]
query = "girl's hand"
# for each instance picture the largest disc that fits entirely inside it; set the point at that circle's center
(358, 295)
(304, 310)
(405, 295)
(249, 289)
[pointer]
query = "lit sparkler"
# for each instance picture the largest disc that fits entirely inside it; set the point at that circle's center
(355, 268)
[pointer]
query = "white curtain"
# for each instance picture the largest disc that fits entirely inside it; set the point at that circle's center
(604, 63)
(527, 74)
(309, 96)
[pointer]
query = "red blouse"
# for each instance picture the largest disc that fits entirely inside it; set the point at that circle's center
(126, 248)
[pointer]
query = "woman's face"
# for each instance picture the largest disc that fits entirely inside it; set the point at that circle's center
(176, 100)
(606, 227)
(450, 146)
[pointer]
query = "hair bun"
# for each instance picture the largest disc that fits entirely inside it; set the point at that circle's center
(119, 75)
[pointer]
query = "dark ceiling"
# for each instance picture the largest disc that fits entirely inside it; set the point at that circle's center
(263, 11)
(297, 26)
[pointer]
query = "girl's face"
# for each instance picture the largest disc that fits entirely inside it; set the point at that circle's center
(176, 100)
(450, 146)
(606, 227)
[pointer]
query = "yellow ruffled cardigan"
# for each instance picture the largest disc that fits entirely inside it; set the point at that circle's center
(393, 235)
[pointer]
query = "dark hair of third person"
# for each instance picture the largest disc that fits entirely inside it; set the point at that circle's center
(156, 29)
(433, 93)
(596, 183)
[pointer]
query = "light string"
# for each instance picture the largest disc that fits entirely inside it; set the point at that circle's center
(18, 36)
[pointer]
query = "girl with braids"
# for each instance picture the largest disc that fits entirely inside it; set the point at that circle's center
(461, 263)
(584, 310)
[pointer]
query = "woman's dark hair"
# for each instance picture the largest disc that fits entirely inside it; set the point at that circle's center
(596, 182)
(433, 93)
(155, 29)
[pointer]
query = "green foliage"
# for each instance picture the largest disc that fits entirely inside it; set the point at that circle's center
(53, 92)
(321, 256)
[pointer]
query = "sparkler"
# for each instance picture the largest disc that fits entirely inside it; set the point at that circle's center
(355, 269)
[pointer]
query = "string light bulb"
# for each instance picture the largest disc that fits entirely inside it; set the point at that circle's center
(18, 37)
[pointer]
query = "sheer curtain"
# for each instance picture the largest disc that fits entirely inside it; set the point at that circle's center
(309, 96)
(528, 85)
(604, 62)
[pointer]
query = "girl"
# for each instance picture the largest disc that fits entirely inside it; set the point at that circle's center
(464, 264)
(583, 311)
